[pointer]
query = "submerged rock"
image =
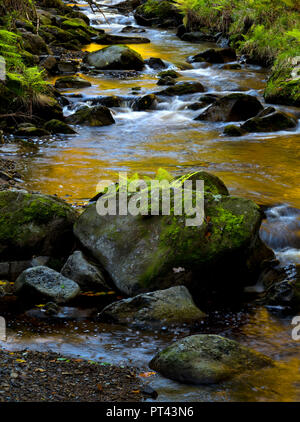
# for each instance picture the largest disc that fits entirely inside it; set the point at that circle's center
(117, 57)
(133, 29)
(173, 306)
(108, 39)
(144, 103)
(232, 108)
(168, 73)
(71, 82)
(270, 123)
(182, 88)
(34, 224)
(92, 116)
(43, 282)
(86, 274)
(207, 359)
(147, 253)
(166, 80)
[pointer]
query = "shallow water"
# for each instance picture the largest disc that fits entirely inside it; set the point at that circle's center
(264, 167)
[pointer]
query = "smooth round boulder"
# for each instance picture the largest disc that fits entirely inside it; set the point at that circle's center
(207, 359)
(169, 307)
(57, 126)
(144, 103)
(91, 116)
(116, 57)
(43, 282)
(232, 108)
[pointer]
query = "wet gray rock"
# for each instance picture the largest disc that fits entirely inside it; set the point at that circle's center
(170, 307)
(43, 282)
(86, 274)
(207, 359)
(116, 57)
(232, 108)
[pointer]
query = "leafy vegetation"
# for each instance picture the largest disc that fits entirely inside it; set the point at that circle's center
(262, 29)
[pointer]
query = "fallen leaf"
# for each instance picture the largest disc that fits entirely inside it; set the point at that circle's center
(146, 374)
(136, 391)
(20, 360)
(40, 370)
(99, 388)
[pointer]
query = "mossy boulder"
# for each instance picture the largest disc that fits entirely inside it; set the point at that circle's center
(31, 131)
(75, 23)
(42, 283)
(207, 359)
(159, 251)
(116, 57)
(170, 307)
(270, 123)
(144, 103)
(57, 126)
(156, 12)
(233, 130)
(71, 82)
(283, 86)
(34, 224)
(48, 108)
(34, 43)
(92, 116)
(170, 73)
(182, 88)
(232, 108)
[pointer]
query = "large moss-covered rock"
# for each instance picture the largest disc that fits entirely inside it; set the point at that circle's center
(44, 283)
(34, 224)
(34, 43)
(207, 359)
(144, 103)
(116, 57)
(92, 116)
(270, 123)
(145, 254)
(283, 86)
(232, 108)
(156, 12)
(170, 307)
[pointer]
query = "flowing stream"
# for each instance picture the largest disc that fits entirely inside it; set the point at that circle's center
(263, 167)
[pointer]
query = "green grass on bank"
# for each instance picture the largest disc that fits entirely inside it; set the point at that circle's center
(266, 30)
